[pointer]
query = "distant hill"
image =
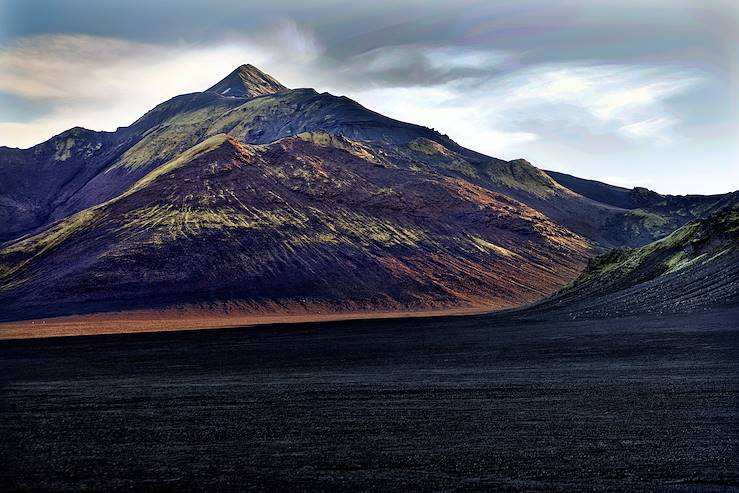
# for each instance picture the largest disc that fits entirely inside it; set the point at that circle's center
(598, 191)
(644, 215)
(643, 198)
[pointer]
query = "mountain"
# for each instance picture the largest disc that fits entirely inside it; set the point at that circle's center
(694, 268)
(80, 168)
(254, 197)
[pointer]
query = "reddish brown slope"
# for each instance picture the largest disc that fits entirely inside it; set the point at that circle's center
(309, 221)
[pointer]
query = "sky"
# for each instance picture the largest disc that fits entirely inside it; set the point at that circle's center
(633, 93)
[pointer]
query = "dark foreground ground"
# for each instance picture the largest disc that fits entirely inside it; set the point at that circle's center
(443, 404)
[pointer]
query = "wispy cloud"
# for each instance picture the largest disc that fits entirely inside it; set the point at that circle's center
(491, 108)
(629, 100)
(421, 65)
(653, 128)
(442, 108)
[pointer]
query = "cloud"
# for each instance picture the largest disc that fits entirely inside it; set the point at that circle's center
(630, 100)
(441, 107)
(653, 128)
(483, 98)
(421, 65)
(495, 106)
(102, 83)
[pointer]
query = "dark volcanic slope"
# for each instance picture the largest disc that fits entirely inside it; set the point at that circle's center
(314, 221)
(461, 404)
(33, 181)
(598, 191)
(695, 268)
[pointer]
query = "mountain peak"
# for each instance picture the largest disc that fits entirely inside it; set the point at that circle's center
(247, 81)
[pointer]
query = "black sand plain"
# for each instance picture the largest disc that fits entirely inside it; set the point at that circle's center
(445, 404)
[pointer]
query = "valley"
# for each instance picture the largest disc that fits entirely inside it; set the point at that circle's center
(475, 403)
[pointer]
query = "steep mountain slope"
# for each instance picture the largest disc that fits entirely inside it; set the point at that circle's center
(109, 163)
(33, 180)
(79, 167)
(315, 221)
(694, 268)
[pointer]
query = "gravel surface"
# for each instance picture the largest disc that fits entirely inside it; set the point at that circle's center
(473, 403)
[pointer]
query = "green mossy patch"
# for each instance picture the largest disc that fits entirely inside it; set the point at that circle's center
(521, 175)
(17, 255)
(173, 136)
(650, 221)
(168, 223)
(488, 247)
(325, 139)
(179, 161)
(444, 158)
